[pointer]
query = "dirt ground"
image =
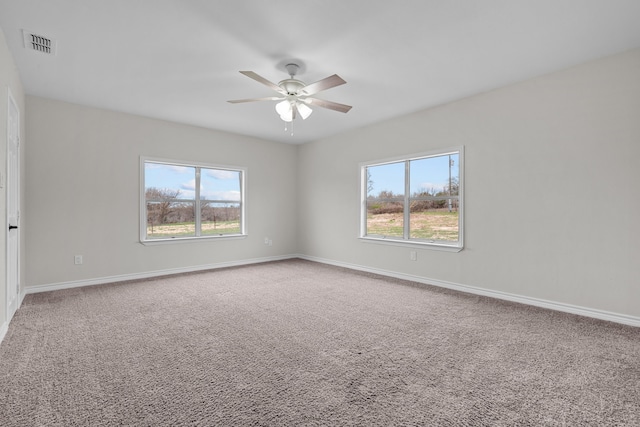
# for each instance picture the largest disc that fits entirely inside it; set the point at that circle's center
(434, 225)
(189, 229)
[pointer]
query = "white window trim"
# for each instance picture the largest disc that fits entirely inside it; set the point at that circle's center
(143, 208)
(443, 246)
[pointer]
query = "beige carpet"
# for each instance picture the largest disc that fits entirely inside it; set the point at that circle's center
(295, 343)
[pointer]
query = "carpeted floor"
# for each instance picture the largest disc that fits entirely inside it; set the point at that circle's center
(296, 343)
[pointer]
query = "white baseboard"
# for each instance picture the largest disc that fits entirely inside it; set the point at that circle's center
(146, 275)
(3, 331)
(552, 305)
(21, 296)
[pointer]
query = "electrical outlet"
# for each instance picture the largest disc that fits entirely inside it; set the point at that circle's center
(413, 256)
(266, 240)
(77, 260)
(270, 242)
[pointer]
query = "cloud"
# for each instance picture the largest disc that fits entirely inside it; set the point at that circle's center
(181, 169)
(174, 168)
(221, 174)
(188, 191)
(189, 185)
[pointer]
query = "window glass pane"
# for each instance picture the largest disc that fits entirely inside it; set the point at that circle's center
(220, 218)
(434, 216)
(220, 195)
(220, 185)
(385, 199)
(169, 199)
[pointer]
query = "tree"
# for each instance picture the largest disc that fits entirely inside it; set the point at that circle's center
(451, 189)
(369, 182)
(159, 204)
(210, 213)
(454, 188)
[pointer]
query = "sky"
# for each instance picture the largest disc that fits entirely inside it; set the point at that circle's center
(215, 184)
(425, 174)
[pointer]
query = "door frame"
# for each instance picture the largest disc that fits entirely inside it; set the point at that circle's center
(12, 308)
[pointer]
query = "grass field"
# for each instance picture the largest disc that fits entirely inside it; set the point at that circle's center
(429, 225)
(186, 229)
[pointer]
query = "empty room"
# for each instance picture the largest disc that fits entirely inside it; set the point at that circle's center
(320, 213)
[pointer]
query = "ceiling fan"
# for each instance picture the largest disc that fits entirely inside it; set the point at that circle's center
(295, 96)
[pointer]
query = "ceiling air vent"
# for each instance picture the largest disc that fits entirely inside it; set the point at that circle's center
(39, 43)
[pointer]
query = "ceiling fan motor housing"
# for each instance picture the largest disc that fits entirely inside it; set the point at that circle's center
(291, 86)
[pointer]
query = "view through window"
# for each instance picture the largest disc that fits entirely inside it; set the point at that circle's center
(416, 199)
(190, 201)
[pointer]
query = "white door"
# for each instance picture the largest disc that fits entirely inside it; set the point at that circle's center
(13, 204)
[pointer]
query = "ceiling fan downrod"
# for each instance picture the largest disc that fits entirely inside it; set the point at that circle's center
(292, 69)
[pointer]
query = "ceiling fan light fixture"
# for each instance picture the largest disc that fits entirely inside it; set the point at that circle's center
(304, 110)
(285, 110)
(283, 107)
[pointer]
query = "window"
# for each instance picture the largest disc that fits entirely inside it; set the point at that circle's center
(416, 200)
(189, 201)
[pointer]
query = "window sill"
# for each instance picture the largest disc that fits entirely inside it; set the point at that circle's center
(412, 244)
(154, 242)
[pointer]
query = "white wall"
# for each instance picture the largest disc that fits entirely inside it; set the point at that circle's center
(9, 80)
(552, 195)
(83, 193)
(552, 188)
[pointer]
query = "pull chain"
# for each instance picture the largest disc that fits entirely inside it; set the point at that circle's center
(291, 128)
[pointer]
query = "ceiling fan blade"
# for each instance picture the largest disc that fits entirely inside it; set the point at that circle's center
(324, 84)
(328, 104)
(269, 98)
(262, 80)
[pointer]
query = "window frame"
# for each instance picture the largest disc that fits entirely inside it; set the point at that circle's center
(197, 211)
(406, 240)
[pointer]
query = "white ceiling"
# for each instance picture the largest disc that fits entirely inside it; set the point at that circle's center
(178, 60)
